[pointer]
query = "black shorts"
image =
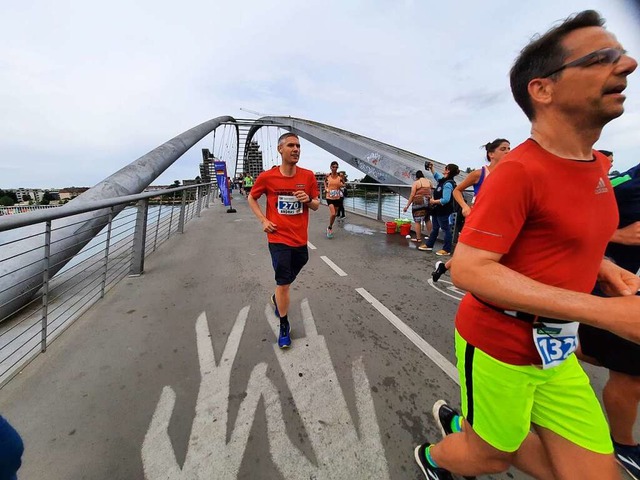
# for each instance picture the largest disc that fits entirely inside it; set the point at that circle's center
(336, 202)
(287, 261)
(611, 351)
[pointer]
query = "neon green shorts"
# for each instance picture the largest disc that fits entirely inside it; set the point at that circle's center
(501, 401)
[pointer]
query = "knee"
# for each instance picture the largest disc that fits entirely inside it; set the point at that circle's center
(497, 465)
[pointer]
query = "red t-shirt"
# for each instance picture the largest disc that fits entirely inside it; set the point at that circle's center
(551, 218)
(290, 216)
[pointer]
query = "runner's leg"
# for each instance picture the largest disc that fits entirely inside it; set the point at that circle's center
(621, 396)
(571, 462)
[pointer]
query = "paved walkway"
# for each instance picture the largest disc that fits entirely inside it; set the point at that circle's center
(177, 375)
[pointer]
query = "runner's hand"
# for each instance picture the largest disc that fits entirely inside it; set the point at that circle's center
(466, 210)
(615, 281)
(302, 196)
(268, 226)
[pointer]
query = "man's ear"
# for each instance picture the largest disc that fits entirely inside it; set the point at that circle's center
(541, 90)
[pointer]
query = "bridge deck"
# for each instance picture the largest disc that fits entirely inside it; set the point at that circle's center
(178, 369)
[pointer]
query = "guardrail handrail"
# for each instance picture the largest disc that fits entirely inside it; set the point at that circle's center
(37, 216)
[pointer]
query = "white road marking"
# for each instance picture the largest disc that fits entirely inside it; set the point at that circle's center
(209, 431)
(341, 450)
(311, 245)
(452, 288)
(446, 366)
(335, 268)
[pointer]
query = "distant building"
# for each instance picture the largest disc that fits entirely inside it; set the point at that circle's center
(207, 170)
(253, 160)
(70, 193)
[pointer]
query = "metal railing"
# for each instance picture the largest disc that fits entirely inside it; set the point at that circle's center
(379, 201)
(15, 209)
(119, 249)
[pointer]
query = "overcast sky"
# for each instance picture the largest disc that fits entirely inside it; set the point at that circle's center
(88, 87)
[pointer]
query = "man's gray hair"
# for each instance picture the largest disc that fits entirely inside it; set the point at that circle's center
(286, 135)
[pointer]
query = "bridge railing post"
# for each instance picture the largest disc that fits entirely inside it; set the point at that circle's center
(139, 239)
(155, 238)
(45, 285)
(379, 214)
(183, 206)
(105, 266)
(199, 204)
(207, 196)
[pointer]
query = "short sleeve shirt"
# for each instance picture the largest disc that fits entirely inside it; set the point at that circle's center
(551, 219)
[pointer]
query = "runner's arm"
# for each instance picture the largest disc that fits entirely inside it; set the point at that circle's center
(481, 273)
(414, 188)
(471, 179)
(629, 235)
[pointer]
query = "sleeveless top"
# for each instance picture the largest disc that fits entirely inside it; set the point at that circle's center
(476, 188)
(423, 193)
(333, 187)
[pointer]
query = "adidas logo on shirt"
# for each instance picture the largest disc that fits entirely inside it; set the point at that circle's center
(601, 187)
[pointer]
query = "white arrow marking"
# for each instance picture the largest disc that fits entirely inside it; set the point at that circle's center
(340, 451)
(208, 454)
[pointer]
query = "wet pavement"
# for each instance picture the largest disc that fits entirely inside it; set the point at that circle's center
(177, 373)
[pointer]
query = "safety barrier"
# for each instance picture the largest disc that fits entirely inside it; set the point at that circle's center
(147, 221)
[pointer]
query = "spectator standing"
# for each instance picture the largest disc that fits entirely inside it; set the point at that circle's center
(441, 208)
(419, 202)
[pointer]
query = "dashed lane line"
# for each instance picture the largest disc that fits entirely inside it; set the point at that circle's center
(335, 268)
(437, 358)
(311, 246)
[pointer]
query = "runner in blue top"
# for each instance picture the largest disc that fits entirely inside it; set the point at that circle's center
(621, 394)
(494, 152)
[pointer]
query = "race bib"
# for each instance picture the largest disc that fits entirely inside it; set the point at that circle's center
(334, 193)
(289, 205)
(555, 341)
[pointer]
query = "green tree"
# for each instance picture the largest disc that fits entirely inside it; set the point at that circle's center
(7, 201)
(46, 198)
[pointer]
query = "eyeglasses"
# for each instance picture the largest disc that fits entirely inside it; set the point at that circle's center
(604, 56)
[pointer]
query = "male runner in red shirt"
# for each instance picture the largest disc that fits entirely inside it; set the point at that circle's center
(529, 254)
(291, 191)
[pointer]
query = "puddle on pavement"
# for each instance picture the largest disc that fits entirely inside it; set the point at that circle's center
(358, 229)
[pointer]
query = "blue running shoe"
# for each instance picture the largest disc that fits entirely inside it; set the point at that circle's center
(628, 456)
(284, 340)
(273, 302)
(430, 472)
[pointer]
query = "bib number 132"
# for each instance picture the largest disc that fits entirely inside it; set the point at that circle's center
(555, 342)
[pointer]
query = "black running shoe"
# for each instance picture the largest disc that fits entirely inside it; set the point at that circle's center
(430, 473)
(438, 271)
(628, 456)
(444, 415)
(273, 302)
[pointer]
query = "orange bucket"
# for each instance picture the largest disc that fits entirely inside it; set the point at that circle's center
(405, 229)
(391, 227)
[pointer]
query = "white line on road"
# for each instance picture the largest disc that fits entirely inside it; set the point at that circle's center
(311, 246)
(335, 268)
(446, 366)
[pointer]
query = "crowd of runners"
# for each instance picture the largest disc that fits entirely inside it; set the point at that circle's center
(528, 270)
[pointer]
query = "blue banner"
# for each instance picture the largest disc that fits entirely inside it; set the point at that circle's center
(221, 178)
